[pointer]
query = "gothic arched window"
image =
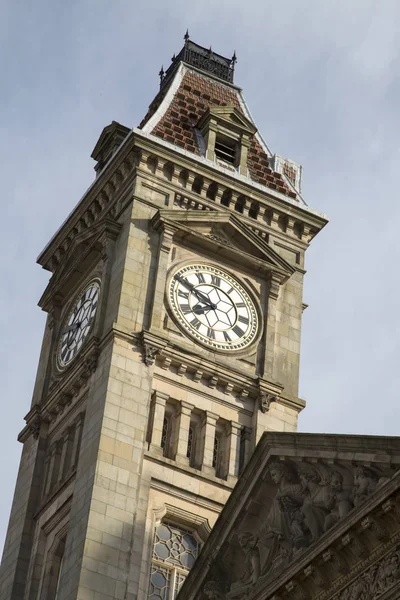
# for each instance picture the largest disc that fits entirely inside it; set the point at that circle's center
(174, 551)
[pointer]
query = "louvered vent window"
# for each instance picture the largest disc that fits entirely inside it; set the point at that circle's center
(225, 150)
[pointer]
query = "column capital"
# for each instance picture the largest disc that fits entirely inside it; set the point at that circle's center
(236, 428)
(210, 417)
(185, 407)
(159, 397)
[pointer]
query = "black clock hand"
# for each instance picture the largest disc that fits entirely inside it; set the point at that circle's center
(70, 328)
(199, 295)
(200, 310)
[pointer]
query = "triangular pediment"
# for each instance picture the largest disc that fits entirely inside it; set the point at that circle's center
(224, 233)
(111, 136)
(298, 494)
(230, 115)
(85, 248)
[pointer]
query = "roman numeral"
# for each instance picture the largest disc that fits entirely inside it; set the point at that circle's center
(182, 294)
(230, 291)
(240, 305)
(226, 336)
(216, 280)
(185, 308)
(243, 320)
(195, 323)
(211, 333)
(239, 332)
(200, 277)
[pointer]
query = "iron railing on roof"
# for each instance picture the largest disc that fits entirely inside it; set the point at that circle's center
(203, 59)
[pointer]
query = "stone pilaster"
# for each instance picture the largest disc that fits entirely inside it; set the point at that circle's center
(207, 441)
(234, 449)
(183, 425)
(158, 409)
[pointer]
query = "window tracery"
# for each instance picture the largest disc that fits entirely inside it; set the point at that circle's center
(175, 550)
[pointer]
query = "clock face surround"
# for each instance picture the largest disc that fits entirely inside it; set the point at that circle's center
(78, 324)
(213, 307)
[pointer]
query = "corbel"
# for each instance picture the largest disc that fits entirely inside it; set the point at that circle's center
(296, 590)
(181, 370)
(268, 392)
(315, 577)
(353, 545)
(166, 231)
(264, 401)
(166, 363)
(336, 562)
(152, 346)
(108, 236)
(274, 285)
(375, 529)
(213, 381)
(34, 421)
(197, 375)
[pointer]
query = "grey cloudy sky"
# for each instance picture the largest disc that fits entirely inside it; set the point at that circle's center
(322, 81)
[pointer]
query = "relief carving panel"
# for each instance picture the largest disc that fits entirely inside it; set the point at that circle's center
(295, 505)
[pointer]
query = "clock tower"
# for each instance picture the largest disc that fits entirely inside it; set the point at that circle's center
(172, 343)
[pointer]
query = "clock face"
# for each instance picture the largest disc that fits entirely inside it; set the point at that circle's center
(78, 324)
(213, 307)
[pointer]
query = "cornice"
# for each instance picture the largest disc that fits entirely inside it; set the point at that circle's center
(242, 184)
(98, 200)
(162, 460)
(92, 240)
(176, 221)
(113, 180)
(179, 492)
(229, 378)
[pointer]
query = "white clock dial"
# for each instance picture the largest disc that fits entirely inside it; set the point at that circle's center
(78, 324)
(213, 307)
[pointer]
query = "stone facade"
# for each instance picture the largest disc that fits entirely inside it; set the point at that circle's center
(146, 426)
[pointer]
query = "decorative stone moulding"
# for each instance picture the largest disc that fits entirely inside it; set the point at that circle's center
(99, 202)
(235, 383)
(65, 392)
(201, 193)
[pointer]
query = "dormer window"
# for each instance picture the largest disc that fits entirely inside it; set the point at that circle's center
(227, 134)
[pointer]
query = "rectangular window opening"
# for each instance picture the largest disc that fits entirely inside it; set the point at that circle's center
(225, 150)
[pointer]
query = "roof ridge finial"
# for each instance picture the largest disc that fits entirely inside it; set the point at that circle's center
(234, 58)
(186, 36)
(161, 74)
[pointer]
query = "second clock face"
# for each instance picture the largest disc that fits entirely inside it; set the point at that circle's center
(213, 307)
(78, 324)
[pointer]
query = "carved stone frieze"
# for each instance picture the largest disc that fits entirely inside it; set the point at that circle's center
(307, 500)
(375, 581)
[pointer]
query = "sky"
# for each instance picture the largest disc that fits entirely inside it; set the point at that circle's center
(322, 82)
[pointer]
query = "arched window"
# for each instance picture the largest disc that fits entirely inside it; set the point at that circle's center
(175, 550)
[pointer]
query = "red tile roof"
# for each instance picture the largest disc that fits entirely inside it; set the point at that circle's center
(195, 94)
